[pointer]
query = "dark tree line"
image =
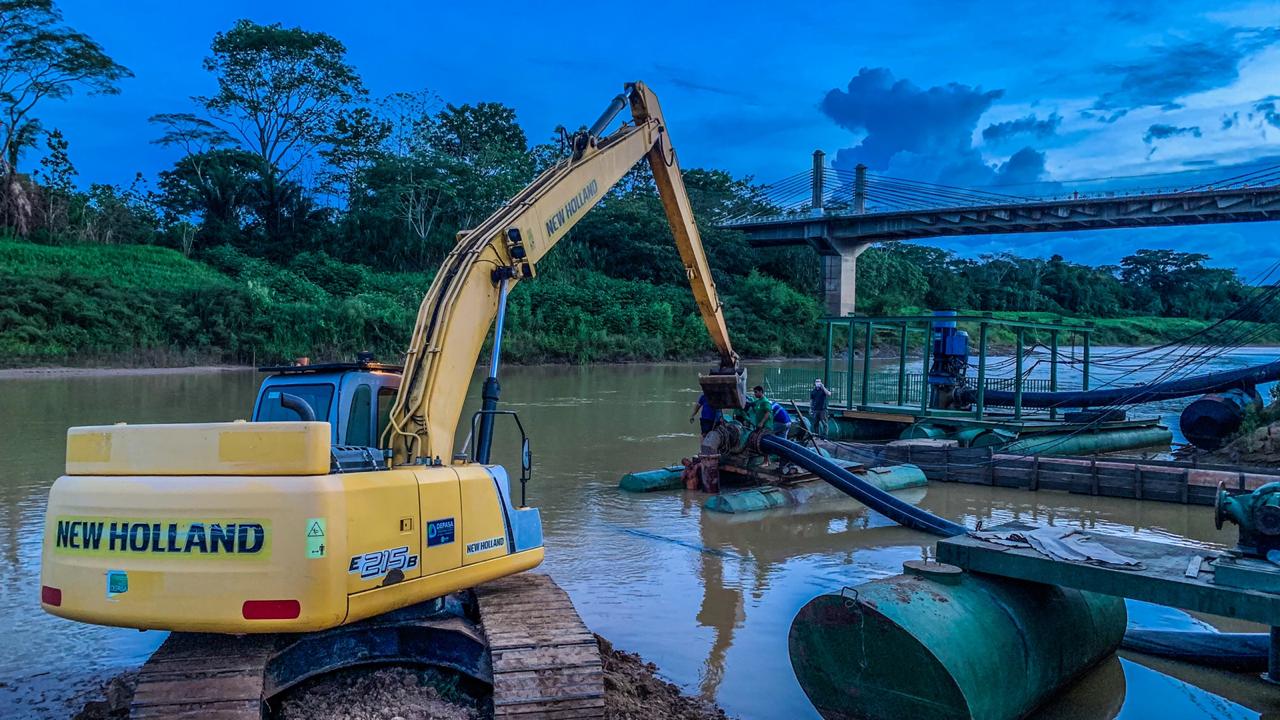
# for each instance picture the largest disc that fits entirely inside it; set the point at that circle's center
(1164, 283)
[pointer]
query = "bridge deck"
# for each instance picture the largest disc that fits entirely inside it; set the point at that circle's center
(1091, 213)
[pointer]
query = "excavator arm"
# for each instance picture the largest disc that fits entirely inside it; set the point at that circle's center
(471, 288)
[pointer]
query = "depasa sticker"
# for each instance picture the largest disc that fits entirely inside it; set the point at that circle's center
(380, 562)
(440, 532)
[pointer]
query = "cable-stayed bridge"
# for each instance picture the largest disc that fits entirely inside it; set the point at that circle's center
(841, 212)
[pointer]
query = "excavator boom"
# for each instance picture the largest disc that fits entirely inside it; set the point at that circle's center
(470, 289)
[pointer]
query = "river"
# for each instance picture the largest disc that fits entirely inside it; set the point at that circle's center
(707, 598)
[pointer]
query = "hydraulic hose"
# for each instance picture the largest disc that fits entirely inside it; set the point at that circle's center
(1136, 394)
(904, 514)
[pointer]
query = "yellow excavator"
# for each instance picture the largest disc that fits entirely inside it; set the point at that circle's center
(342, 498)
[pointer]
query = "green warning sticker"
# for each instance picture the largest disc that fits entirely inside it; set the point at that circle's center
(316, 540)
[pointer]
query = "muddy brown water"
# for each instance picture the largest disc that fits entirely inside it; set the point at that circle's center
(708, 598)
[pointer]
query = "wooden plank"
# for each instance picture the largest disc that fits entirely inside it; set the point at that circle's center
(201, 675)
(236, 710)
(199, 689)
(546, 665)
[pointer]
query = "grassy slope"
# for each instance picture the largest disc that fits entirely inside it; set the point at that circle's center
(141, 305)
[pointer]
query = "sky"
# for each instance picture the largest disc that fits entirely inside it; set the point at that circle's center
(964, 93)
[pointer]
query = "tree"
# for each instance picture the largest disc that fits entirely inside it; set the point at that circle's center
(217, 187)
(57, 182)
(41, 59)
(889, 283)
(280, 90)
(1177, 284)
(351, 147)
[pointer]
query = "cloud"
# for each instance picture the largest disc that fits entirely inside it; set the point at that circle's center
(1107, 118)
(1173, 71)
(1029, 125)
(1160, 131)
(1025, 166)
(1266, 109)
(923, 134)
(897, 116)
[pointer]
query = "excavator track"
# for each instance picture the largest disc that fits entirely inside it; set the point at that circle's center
(199, 675)
(530, 646)
(546, 663)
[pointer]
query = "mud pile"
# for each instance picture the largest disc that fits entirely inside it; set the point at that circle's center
(633, 691)
(1260, 448)
(390, 693)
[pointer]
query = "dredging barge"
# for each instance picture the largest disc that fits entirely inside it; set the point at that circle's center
(897, 427)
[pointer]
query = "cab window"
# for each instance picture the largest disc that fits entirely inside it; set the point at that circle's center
(317, 396)
(361, 418)
(386, 399)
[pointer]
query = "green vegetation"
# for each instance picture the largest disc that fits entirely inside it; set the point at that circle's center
(88, 304)
(302, 217)
(1141, 330)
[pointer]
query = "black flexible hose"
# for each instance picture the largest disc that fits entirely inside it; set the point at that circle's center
(903, 513)
(1136, 394)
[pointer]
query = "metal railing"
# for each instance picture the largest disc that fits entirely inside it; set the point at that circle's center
(795, 384)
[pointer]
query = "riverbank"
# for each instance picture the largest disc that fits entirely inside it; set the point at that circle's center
(75, 372)
(633, 691)
(149, 306)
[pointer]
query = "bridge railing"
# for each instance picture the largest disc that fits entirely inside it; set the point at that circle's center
(837, 193)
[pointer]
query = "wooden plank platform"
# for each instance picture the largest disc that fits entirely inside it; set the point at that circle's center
(546, 663)
(1165, 577)
(199, 675)
(737, 476)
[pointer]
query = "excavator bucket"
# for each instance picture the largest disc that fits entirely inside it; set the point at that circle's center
(725, 388)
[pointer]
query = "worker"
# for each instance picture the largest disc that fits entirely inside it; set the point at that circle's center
(758, 408)
(705, 413)
(781, 419)
(818, 406)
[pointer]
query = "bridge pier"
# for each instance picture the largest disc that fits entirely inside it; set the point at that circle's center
(840, 279)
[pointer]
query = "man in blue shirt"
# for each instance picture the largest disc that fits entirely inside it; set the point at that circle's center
(706, 414)
(781, 420)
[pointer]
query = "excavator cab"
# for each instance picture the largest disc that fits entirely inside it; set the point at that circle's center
(354, 398)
